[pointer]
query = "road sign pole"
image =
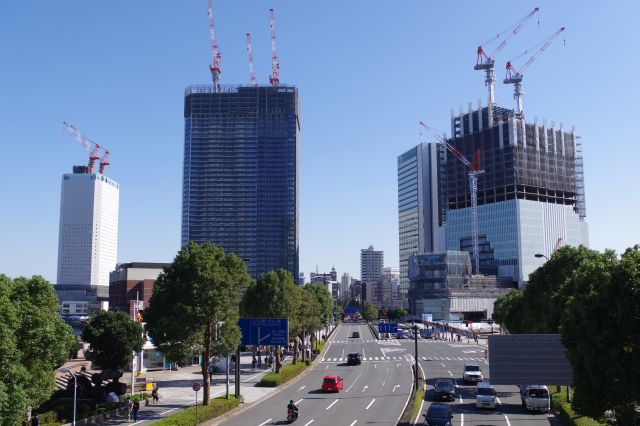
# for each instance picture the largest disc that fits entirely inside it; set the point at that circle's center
(196, 408)
(415, 337)
(237, 374)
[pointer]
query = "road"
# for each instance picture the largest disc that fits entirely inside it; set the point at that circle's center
(374, 392)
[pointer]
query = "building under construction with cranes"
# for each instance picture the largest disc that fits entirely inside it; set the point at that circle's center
(241, 166)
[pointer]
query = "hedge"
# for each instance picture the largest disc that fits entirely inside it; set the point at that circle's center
(287, 372)
(560, 404)
(216, 407)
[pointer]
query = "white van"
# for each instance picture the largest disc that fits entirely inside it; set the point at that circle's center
(535, 397)
(485, 395)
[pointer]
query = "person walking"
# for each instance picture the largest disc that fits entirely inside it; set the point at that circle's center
(135, 409)
(259, 360)
(253, 364)
(129, 409)
(211, 369)
(154, 394)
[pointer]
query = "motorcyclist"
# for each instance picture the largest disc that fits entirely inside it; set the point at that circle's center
(292, 408)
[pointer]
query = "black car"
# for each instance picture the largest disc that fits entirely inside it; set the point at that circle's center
(445, 390)
(355, 335)
(354, 359)
(438, 414)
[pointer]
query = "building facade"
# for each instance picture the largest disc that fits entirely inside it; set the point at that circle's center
(530, 197)
(420, 216)
(241, 173)
(131, 282)
(345, 286)
(88, 234)
(371, 265)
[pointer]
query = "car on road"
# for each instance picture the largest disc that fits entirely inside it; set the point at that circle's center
(485, 395)
(438, 414)
(445, 390)
(332, 384)
(471, 373)
(354, 359)
(535, 397)
(355, 335)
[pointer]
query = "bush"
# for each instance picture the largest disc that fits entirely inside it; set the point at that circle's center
(560, 404)
(216, 407)
(287, 372)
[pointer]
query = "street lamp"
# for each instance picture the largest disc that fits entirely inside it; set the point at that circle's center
(541, 255)
(75, 387)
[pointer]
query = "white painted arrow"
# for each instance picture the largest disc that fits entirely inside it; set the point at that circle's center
(302, 387)
(364, 388)
(394, 388)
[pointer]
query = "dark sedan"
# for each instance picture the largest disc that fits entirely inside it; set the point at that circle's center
(445, 390)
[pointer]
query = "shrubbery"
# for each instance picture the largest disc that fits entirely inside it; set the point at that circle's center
(559, 403)
(216, 407)
(287, 373)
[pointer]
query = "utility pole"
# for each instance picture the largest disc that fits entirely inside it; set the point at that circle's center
(415, 338)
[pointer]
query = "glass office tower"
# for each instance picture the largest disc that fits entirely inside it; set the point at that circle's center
(241, 173)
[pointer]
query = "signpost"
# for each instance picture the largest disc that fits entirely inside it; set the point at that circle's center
(196, 387)
(264, 331)
(388, 327)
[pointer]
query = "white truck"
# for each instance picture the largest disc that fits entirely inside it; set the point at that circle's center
(535, 397)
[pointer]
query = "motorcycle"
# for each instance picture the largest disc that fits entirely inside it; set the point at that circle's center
(291, 416)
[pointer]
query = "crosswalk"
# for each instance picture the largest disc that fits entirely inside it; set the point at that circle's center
(406, 357)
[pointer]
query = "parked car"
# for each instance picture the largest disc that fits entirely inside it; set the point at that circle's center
(485, 395)
(332, 384)
(445, 390)
(535, 397)
(354, 359)
(438, 414)
(471, 373)
(355, 335)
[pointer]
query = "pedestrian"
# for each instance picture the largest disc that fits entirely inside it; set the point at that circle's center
(154, 394)
(129, 406)
(253, 364)
(135, 409)
(211, 369)
(259, 360)
(486, 353)
(35, 421)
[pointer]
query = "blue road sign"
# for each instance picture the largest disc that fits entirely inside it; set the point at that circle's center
(388, 327)
(264, 331)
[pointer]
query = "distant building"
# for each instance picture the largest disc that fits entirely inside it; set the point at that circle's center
(345, 285)
(88, 235)
(391, 296)
(301, 278)
(356, 291)
(371, 264)
(133, 281)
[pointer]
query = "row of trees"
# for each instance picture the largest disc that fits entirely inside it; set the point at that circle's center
(593, 300)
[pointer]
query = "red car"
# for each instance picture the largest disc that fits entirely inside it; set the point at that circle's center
(332, 384)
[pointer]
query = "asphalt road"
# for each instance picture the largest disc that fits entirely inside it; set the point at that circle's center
(375, 392)
(441, 359)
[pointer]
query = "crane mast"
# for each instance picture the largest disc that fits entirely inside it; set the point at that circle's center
(487, 62)
(274, 78)
(90, 146)
(252, 76)
(215, 65)
(473, 171)
(514, 76)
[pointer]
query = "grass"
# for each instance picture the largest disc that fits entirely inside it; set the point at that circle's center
(216, 407)
(417, 401)
(559, 403)
(287, 372)
(320, 344)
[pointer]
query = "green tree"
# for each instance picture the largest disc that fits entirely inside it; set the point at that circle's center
(309, 314)
(112, 336)
(401, 313)
(35, 342)
(199, 290)
(273, 295)
(369, 312)
(323, 297)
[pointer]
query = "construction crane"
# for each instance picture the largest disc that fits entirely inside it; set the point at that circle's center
(474, 171)
(252, 76)
(104, 161)
(90, 146)
(515, 77)
(215, 65)
(274, 78)
(486, 62)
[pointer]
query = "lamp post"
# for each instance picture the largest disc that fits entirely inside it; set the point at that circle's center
(75, 387)
(538, 255)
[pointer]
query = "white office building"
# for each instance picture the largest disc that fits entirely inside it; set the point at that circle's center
(88, 238)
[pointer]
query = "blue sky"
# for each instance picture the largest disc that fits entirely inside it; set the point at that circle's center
(367, 72)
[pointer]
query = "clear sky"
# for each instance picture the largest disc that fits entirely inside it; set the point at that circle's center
(367, 72)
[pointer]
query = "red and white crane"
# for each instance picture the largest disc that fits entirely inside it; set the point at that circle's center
(215, 64)
(487, 62)
(515, 77)
(90, 146)
(474, 171)
(252, 76)
(104, 161)
(274, 78)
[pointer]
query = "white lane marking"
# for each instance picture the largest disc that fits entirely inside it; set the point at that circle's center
(354, 422)
(299, 401)
(302, 387)
(448, 359)
(442, 363)
(485, 361)
(375, 357)
(370, 404)
(460, 398)
(498, 399)
(354, 382)
(394, 388)
(450, 373)
(461, 419)
(331, 405)
(264, 423)
(424, 386)
(307, 424)
(342, 353)
(507, 419)
(364, 388)
(255, 375)
(375, 365)
(327, 367)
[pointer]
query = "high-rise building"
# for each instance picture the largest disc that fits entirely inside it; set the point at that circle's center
(420, 215)
(371, 264)
(241, 173)
(345, 285)
(530, 197)
(88, 235)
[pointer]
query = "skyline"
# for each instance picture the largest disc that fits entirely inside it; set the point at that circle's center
(366, 76)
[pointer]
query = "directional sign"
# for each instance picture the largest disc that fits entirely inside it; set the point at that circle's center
(264, 331)
(388, 327)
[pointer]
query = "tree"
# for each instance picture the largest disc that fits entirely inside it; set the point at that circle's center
(401, 313)
(369, 312)
(35, 342)
(112, 337)
(273, 295)
(199, 290)
(323, 297)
